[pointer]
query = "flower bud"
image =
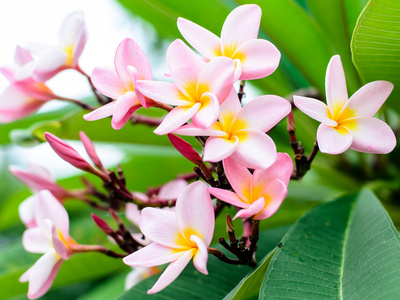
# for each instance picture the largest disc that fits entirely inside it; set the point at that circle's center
(185, 149)
(89, 147)
(102, 224)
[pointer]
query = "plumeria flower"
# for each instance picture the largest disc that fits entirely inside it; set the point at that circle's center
(131, 64)
(254, 58)
(239, 132)
(177, 236)
(50, 237)
(198, 89)
(138, 274)
(259, 194)
(72, 37)
(24, 95)
(349, 123)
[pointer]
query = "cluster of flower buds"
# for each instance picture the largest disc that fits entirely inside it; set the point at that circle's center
(244, 170)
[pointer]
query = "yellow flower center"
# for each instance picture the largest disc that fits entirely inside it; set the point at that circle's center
(183, 240)
(343, 116)
(69, 50)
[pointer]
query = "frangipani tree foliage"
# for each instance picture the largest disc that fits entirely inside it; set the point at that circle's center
(315, 205)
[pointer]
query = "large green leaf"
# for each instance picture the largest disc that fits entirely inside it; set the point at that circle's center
(193, 285)
(346, 249)
(376, 45)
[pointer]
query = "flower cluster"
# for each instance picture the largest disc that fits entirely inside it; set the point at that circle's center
(239, 165)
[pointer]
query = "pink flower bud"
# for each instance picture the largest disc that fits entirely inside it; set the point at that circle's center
(185, 149)
(102, 224)
(89, 147)
(291, 126)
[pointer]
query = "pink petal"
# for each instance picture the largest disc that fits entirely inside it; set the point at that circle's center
(102, 112)
(129, 53)
(335, 82)
(58, 244)
(172, 272)
(217, 78)
(90, 150)
(208, 112)
(252, 210)
(239, 177)
(204, 41)
(79, 46)
(191, 130)
(241, 25)
(219, 148)
(254, 112)
(201, 256)
(261, 58)
(152, 255)
(43, 274)
(164, 92)
(230, 108)
(48, 207)
(176, 118)
(50, 63)
(228, 197)
(281, 169)
(194, 210)
(369, 98)
(314, 109)
(160, 226)
(373, 136)
(26, 211)
(332, 141)
(107, 82)
(185, 149)
(22, 56)
(35, 241)
(256, 150)
(185, 67)
(172, 189)
(132, 213)
(124, 108)
(71, 28)
(25, 276)
(9, 72)
(274, 193)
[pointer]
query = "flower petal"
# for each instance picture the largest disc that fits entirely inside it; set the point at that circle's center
(101, 112)
(164, 92)
(261, 58)
(204, 41)
(132, 213)
(208, 112)
(26, 211)
(194, 210)
(369, 98)
(230, 108)
(252, 210)
(176, 118)
(274, 193)
(124, 108)
(172, 272)
(332, 140)
(191, 130)
(172, 189)
(373, 136)
(22, 56)
(160, 226)
(107, 82)
(241, 25)
(281, 169)
(35, 241)
(50, 63)
(314, 109)
(335, 83)
(219, 148)
(239, 177)
(152, 255)
(43, 274)
(71, 28)
(185, 67)
(255, 112)
(228, 197)
(256, 150)
(201, 256)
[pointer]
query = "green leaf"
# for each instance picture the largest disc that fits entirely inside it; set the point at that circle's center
(376, 45)
(109, 289)
(193, 285)
(298, 36)
(345, 249)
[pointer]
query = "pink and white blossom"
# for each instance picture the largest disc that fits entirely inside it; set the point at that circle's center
(131, 65)
(349, 123)
(138, 274)
(72, 37)
(198, 89)
(239, 132)
(254, 58)
(259, 194)
(50, 237)
(178, 236)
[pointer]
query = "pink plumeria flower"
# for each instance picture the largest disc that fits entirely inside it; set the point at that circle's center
(177, 236)
(240, 131)
(131, 64)
(50, 237)
(138, 274)
(72, 37)
(198, 89)
(24, 95)
(259, 194)
(26, 211)
(254, 58)
(349, 123)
